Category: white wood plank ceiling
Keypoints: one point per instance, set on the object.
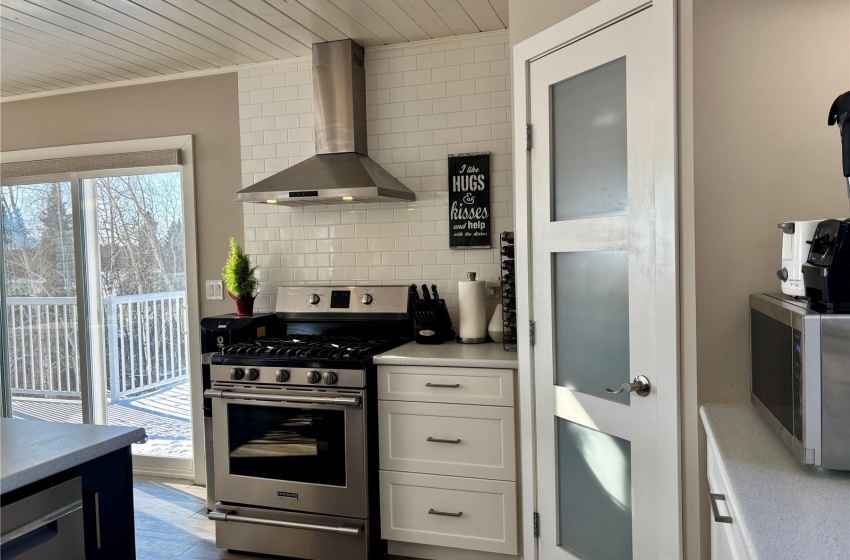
(56, 44)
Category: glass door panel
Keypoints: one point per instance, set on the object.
(142, 285)
(589, 162)
(591, 293)
(595, 493)
(41, 305)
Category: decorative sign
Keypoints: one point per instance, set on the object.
(469, 201)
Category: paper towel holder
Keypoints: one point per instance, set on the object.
(470, 276)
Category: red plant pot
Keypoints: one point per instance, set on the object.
(244, 305)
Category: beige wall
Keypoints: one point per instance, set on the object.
(764, 75)
(204, 107)
(529, 17)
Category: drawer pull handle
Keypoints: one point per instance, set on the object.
(432, 511)
(717, 517)
(438, 440)
(443, 385)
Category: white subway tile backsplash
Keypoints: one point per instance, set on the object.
(304, 246)
(431, 60)
(368, 259)
(342, 231)
(417, 77)
(317, 259)
(355, 246)
(423, 103)
(367, 230)
(408, 244)
(460, 87)
(491, 84)
(445, 74)
(399, 229)
(342, 259)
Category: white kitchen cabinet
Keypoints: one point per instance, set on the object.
(448, 457)
(726, 540)
(448, 439)
(486, 386)
(449, 511)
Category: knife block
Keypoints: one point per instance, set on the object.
(432, 323)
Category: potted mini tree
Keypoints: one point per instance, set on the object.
(239, 279)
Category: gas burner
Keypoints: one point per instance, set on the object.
(310, 347)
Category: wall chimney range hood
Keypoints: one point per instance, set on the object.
(340, 171)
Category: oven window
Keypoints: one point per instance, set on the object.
(298, 445)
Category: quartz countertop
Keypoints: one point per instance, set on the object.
(450, 354)
(785, 509)
(32, 449)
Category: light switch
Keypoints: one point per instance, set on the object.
(214, 289)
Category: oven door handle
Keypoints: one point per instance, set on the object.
(226, 394)
(344, 529)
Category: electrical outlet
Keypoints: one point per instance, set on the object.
(493, 289)
(214, 289)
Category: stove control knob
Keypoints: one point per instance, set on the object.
(252, 374)
(281, 375)
(236, 373)
(313, 377)
(366, 299)
(313, 299)
(329, 377)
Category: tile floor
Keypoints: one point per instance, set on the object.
(171, 522)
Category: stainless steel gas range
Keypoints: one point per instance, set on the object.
(295, 425)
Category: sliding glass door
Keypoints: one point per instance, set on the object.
(42, 342)
(96, 314)
(142, 293)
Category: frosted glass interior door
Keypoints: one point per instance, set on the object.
(594, 283)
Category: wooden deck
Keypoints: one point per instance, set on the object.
(164, 414)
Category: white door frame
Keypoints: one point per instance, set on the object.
(598, 16)
(157, 465)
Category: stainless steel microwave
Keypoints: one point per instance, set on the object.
(800, 377)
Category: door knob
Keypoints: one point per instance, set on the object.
(640, 385)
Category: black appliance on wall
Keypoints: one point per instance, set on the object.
(216, 333)
(826, 274)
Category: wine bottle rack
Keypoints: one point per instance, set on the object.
(508, 277)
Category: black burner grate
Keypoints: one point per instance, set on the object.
(310, 347)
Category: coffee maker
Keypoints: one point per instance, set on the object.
(826, 274)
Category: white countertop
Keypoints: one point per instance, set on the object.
(450, 354)
(786, 510)
(32, 449)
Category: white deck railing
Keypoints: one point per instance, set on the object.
(147, 344)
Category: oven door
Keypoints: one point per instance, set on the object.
(300, 450)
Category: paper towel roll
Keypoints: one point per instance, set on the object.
(473, 311)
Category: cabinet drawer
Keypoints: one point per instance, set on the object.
(446, 385)
(448, 511)
(448, 439)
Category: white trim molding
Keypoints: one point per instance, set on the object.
(153, 465)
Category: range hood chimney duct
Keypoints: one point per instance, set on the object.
(340, 171)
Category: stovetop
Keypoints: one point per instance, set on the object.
(306, 350)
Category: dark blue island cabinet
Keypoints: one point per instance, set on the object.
(67, 493)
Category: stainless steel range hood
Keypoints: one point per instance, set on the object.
(340, 171)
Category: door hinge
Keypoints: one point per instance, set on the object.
(528, 137)
(531, 333)
(536, 524)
